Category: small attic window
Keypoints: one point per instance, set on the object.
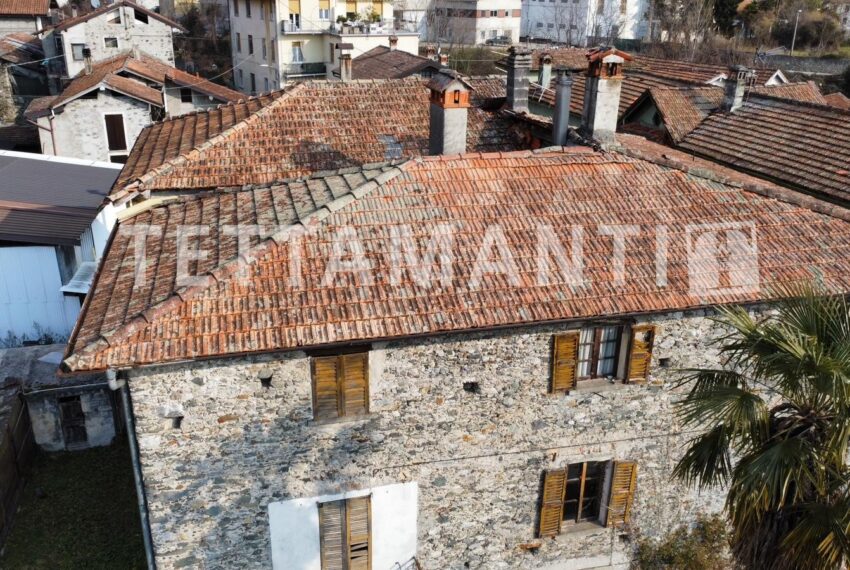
(140, 16)
(185, 95)
(457, 96)
(114, 17)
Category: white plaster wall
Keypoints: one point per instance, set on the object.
(9, 25)
(569, 13)
(262, 29)
(29, 293)
(80, 131)
(294, 528)
(153, 38)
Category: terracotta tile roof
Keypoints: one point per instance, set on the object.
(634, 85)
(381, 62)
(689, 72)
(682, 109)
(317, 125)
(838, 100)
(115, 71)
(20, 48)
(237, 309)
(806, 91)
(71, 22)
(24, 7)
(800, 145)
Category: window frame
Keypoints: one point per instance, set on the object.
(186, 95)
(247, 8)
(238, 42)
(250, 44)
(107, 46)
(595, 349)
(74, 47)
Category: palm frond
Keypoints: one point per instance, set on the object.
(707, 461)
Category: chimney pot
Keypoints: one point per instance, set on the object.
(393, 43)
(545, 77)
(519, 63)
(449, 104)
(431, 52)
(561, 119)
(444, 59)
(737, 80)
(602, 93)
(87, 60)
(344, 61)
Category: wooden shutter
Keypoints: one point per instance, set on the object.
(358, 523)
(355, 384)
(115, 132)
(565, 361)
(640, 355)
(331, 535)
(622, 492)
(552, 505)
(325, 388)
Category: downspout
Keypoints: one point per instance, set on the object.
(130, 425)
(49, 130)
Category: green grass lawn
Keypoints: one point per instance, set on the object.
(87, 517)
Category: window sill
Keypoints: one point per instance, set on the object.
(344, 420)
(583, 529)
(597, 385)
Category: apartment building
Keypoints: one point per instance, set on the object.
(277, 41)
(584, 22)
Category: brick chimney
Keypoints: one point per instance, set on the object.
(87, 59)
(393, 43)
(344, 61)
(545, 77)
(737, 80)
(519, 63)
(561, 118)
(444, 59)
(431, 52)
(602, 93)
(449, 104)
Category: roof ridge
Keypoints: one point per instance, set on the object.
(228, 268)
(170, 164)
(796, 103)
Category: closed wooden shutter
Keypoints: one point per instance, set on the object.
(294, 6)
(350, 7)
(355, 384)
(622, 492)
(565, 361)
(552, 505)
(325, 387)
(115, 132)
(640, 355)
(358, 523)
(332, 534)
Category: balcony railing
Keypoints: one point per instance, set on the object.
(289, 27)
(301, 69)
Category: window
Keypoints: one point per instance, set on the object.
(235, 7)
(140, 16)
(238, 42)
(550, 25)
(265, 52)
(494, 13)
(262, 11)
(324, 13)
(250, 44)
(247, 8)
(77, 51)
(110, 42)
(253, 84)
(340, 386)
(539, 24)
(624, 6)
(114, 17)
(266, 84)
(594, 352)
(297, 54)
(345, 534)
(185, 95)
(592, 491)
(272, 50)
(73, 421)
(240, 77)
(115, 132)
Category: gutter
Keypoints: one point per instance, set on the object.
(48, 129)
(130, 424)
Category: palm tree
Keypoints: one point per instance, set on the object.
(779, 419)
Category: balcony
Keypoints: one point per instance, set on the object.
(303, 69)
(382, 28)
(303, 28)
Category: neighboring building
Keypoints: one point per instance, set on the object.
(490, 420)
(475, 21)
(585, 22)
(841, 8)
(53, 232)
(22, 75)
(258, 140)
(100, 114)
(109, 31)
(70, 413)
(275, 42)
(383, 62)
(838, 100)
(26, 16)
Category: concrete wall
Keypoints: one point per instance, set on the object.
(46, 417)
(477, 458)
(174, 106)
(80, 131)
(153, 38)
(294, 527)
(11, 24)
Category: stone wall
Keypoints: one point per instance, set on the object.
(477, 457)
(47, 424)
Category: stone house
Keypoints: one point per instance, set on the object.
(27, 16)
(109, 31)
(100, 113)
(464, 360)
(22, 76)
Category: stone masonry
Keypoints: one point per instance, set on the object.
(477, 457)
